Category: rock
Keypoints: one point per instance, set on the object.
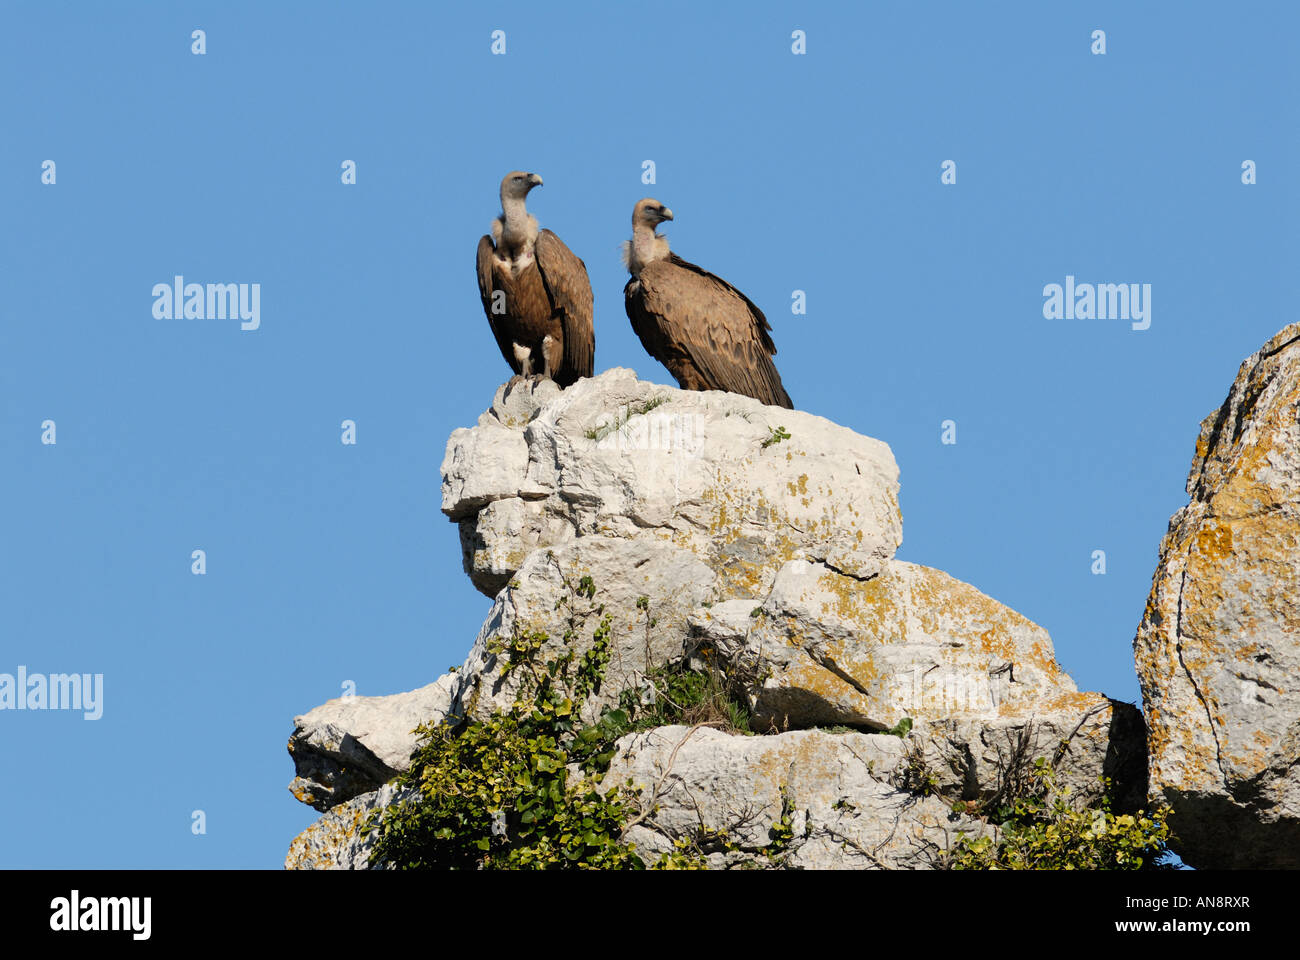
(837, 791)
(352, 745)
(517, 401)
(1218, 648)
(910, 642)
(644, 634)
(718, 636)
(1085, 738)
(759, 542)
(741, 485)
(978, 681)
(496, 542)
(338, 841)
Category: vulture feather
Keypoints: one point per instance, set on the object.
(707, 333)
(535, 292)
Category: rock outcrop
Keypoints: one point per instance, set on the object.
(756, 543)
(708, 472)
(1218, 649)
(353, 745)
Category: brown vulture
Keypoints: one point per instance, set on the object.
(707, 333)
(535, 292)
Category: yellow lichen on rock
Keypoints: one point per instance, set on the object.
(1220, 634)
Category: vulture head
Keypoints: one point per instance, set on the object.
(516, 228)
(516, 185)
(646, 246)
(649, 213)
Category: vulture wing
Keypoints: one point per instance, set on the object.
(500, 323)
(569, 288)
(760, 321)
(683, 313)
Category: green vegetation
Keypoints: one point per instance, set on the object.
(1042, 830)
(782, 831)
(778, 434)
(521, 789)
(900, 729)
(679, 695)
(497, 794)
(914, 775)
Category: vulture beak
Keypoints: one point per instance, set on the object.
(667, 214)
(534, 180)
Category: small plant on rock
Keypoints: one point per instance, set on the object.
(1042, 830)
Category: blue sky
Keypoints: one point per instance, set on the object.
(329, 563)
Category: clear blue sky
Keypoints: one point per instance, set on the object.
(329, 563)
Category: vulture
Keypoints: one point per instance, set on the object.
(535, 292)
(707, 333)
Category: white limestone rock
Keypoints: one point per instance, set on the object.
(710, 472)
(838, 792)
(545, 596)
(352, 745)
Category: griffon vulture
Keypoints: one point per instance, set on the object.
(707, 333)
(535, 292)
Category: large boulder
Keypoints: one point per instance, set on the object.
(911, 641)
(803, 799)
(1218, 649)
(741, 485)
(979, 682)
